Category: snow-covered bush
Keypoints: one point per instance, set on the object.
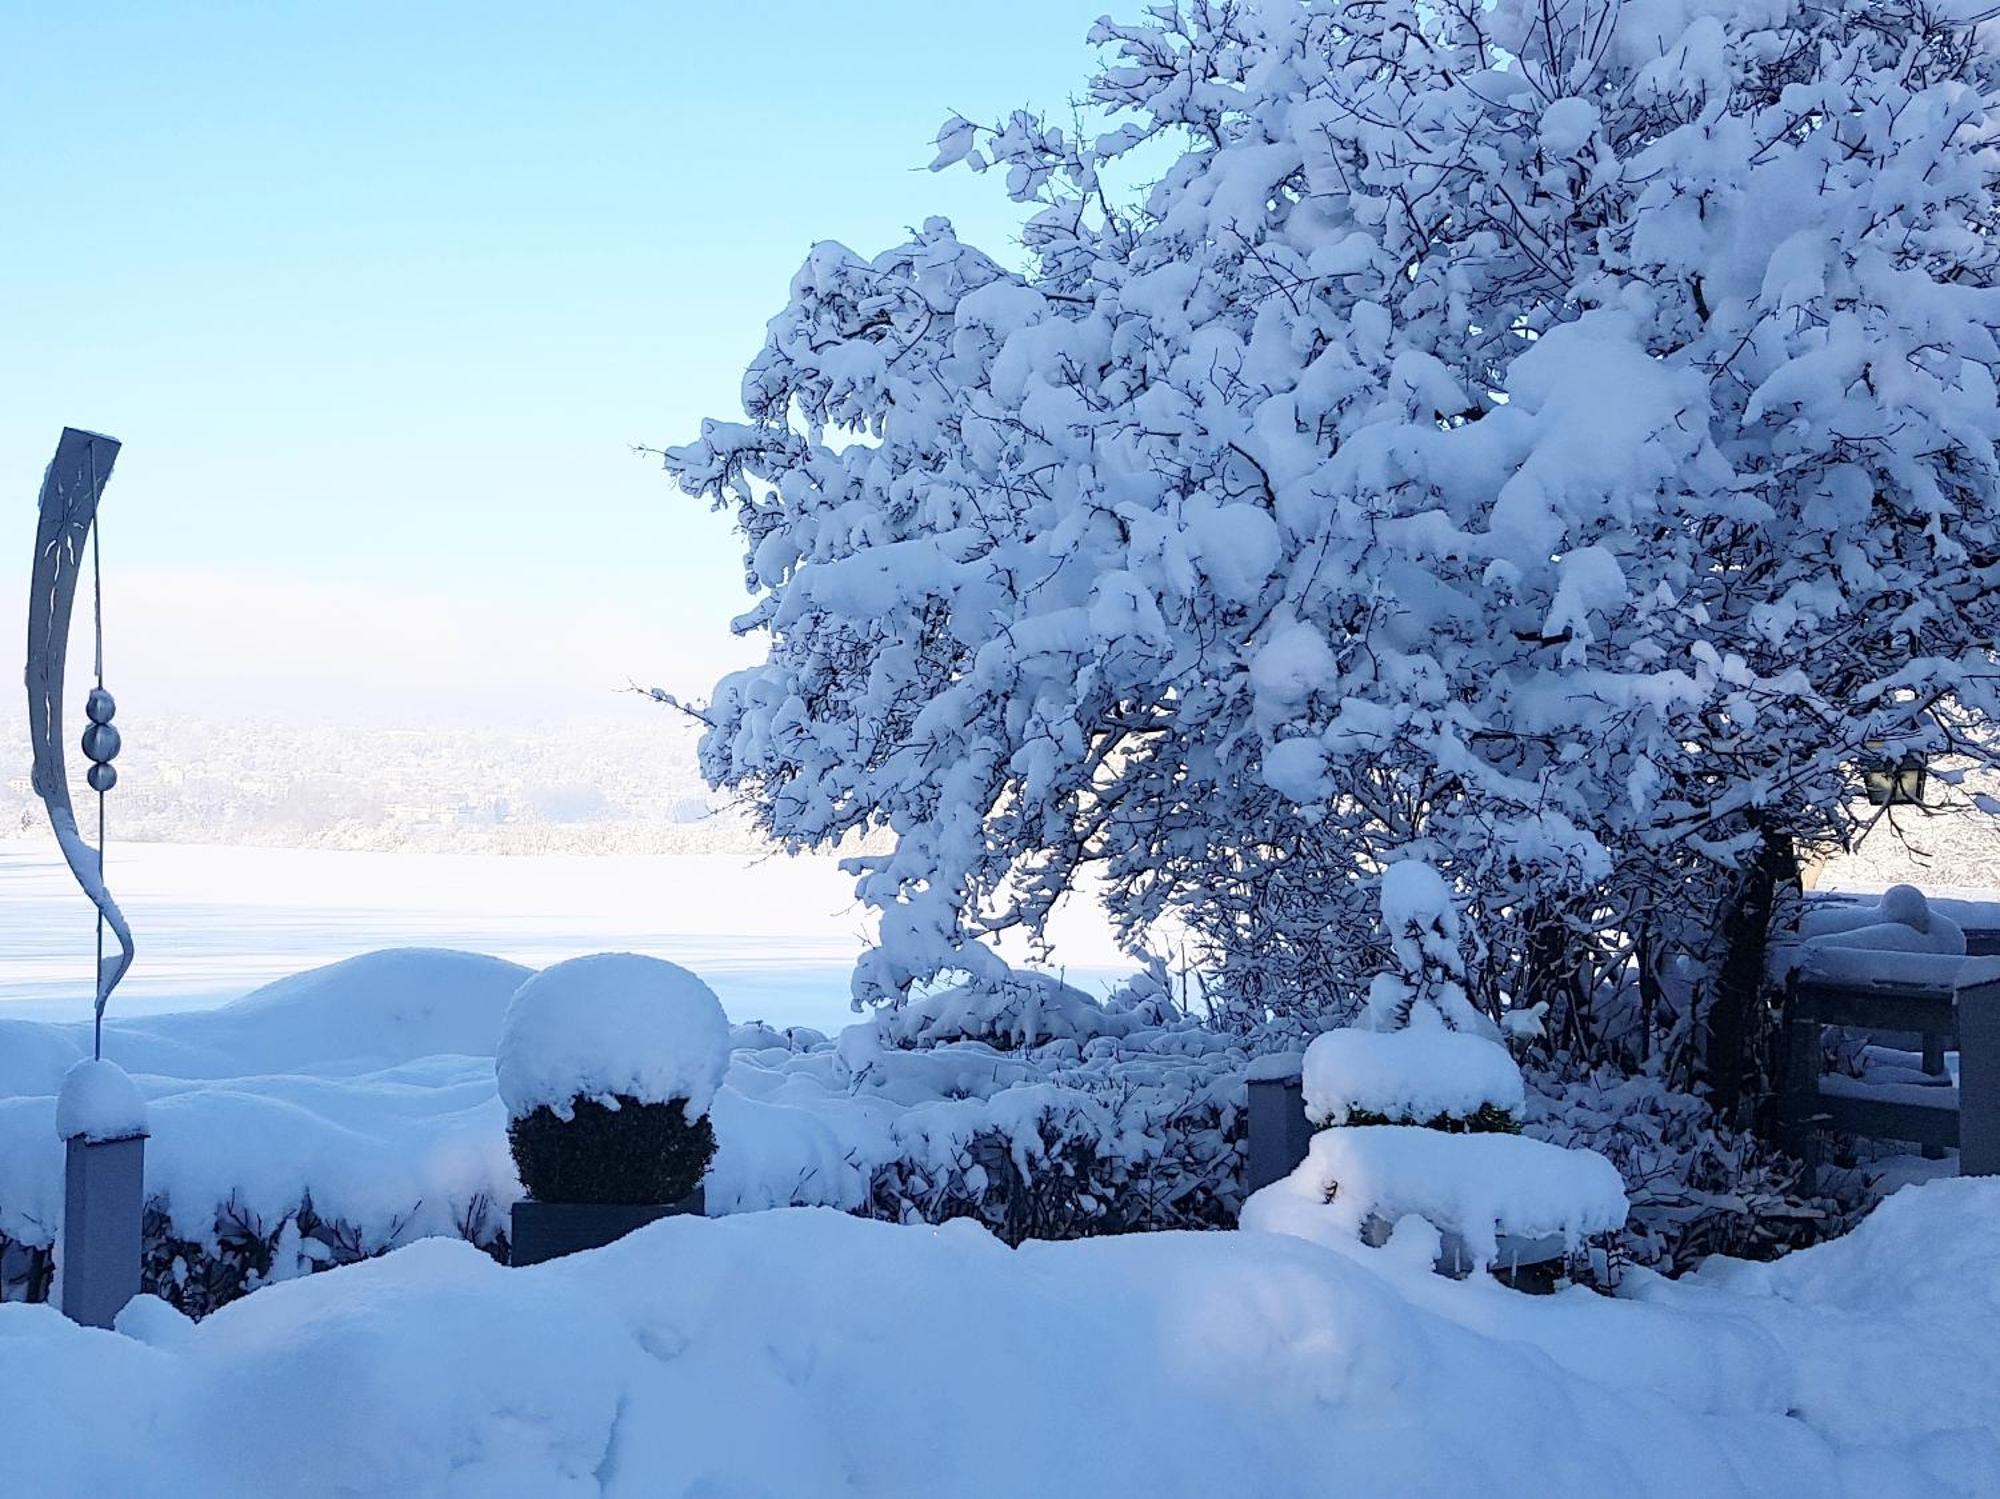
(1084, 1117)
(1022, 1008)
(1420, 1054)
(623, 1150)
(1697, 1186)
(607, 1066)
(241, 1250)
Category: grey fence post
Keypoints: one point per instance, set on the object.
(1279, 1131)
(104, 1192)
(1979, 1081)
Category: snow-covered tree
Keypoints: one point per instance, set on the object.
(1553, 439)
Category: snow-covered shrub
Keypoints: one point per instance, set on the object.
(243, 1251)
(1014, 1009)
(1423, 983)
(1697, 1186)
(1129, 1117)
(1080, 1163)
(622, 1150)
(1420, 1054)
(607, 1066)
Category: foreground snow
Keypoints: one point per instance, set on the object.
(807, 1353)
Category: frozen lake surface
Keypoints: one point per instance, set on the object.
(776, 937)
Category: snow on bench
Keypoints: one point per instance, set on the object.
(1482, 1188)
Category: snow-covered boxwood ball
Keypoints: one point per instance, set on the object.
(608, 1065)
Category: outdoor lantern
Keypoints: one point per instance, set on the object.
(1894, 783)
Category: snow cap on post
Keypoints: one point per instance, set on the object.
(99, 1103)
(612, 1025)
(1414, 1075)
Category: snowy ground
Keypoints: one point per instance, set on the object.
(705, 1357)
(775, 937)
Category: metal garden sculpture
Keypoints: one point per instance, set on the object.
(71, 490)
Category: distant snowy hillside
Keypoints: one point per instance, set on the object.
(627, 783)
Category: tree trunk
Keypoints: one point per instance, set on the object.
(1735, 1012)
(1554, 972)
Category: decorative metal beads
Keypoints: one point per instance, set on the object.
(100, 740)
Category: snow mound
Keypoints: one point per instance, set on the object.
(1890, 1328)
(98, 1103)
(1479, 1186)
(1411, 1075)
(1901, 921)
(363, 1014)
(805, 1353)
(1025, 1008)
(608, 1025)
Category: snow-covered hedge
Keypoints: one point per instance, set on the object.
(1091, 1119)
(1117, 1121)
(266, 1163)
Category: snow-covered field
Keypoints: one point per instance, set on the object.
(775, 937)
(708, 1357)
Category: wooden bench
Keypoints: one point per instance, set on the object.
(1950, 1003)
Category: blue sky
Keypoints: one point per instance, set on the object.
(378, 297)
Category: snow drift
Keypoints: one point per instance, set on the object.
(807, 1353)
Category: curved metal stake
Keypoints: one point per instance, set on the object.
(71, 490)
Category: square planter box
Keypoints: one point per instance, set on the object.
(548, 1230)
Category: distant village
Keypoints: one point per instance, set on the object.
(575, 788)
